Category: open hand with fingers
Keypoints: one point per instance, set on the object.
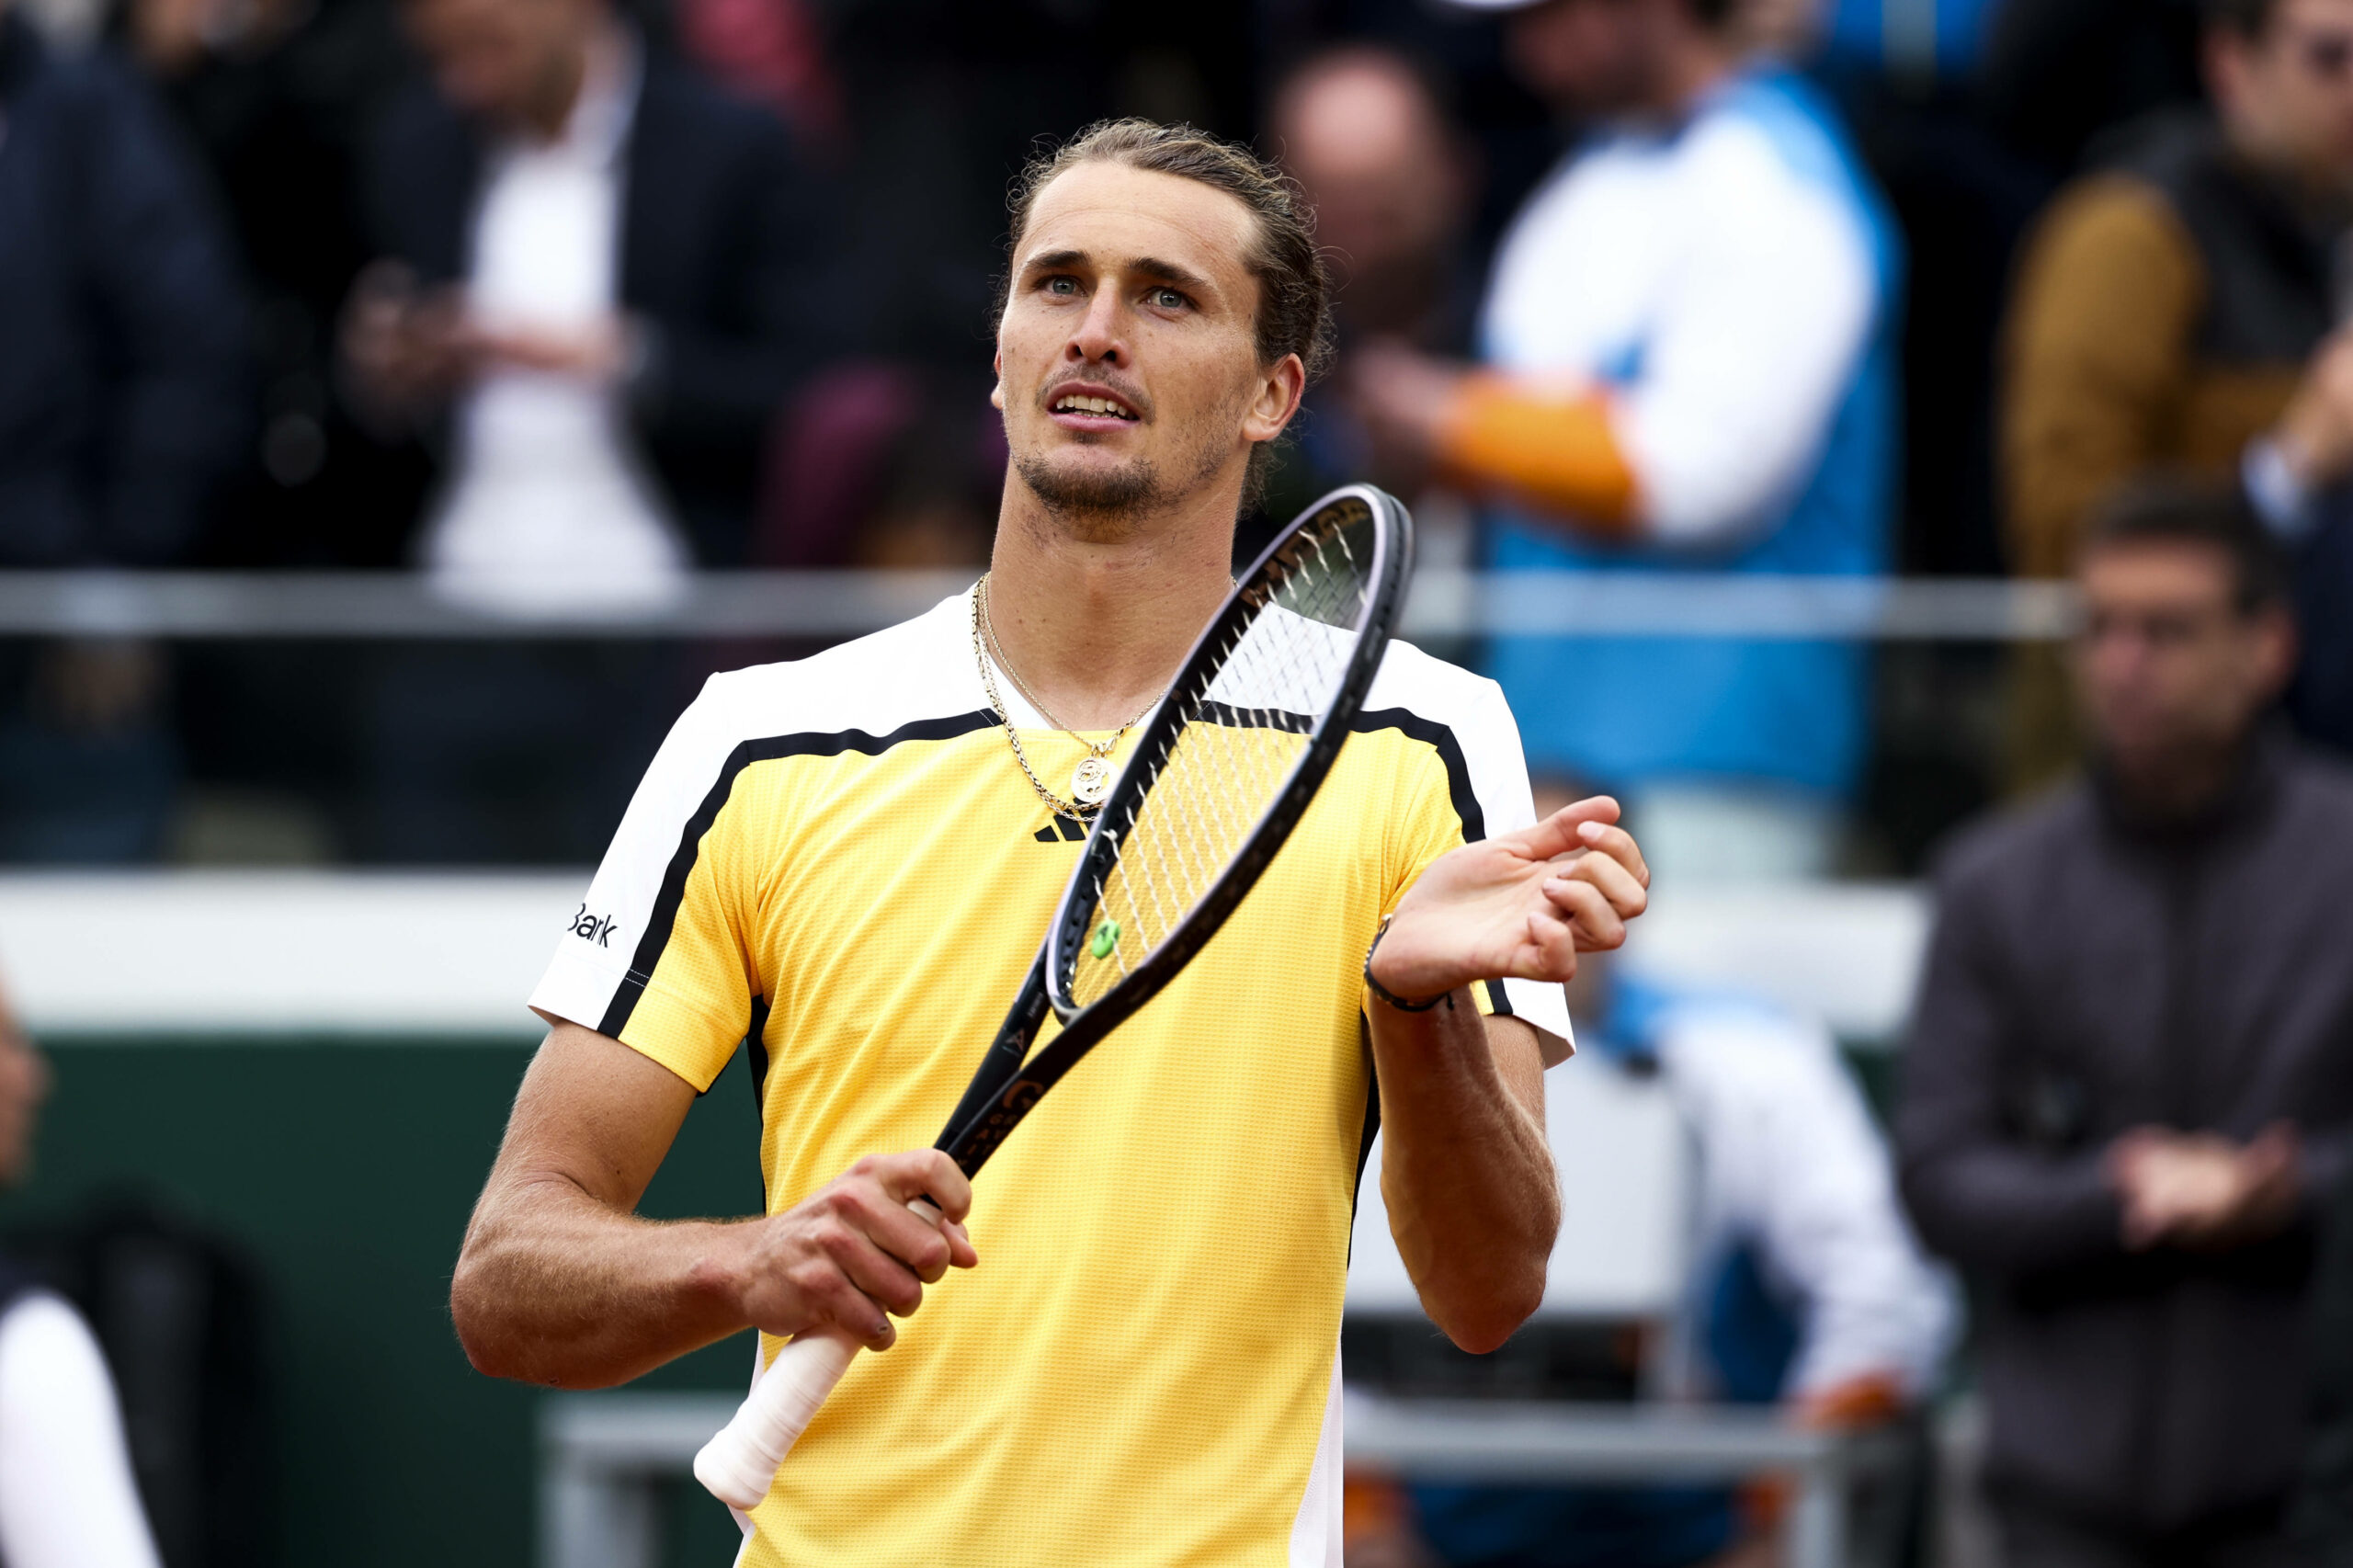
(1519, 905)
(860, 1251)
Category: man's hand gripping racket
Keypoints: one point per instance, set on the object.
(1220, 775)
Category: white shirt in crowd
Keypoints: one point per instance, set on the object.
(547, 510)
(67, 1499)
(1791, 1163)
(1720, 283)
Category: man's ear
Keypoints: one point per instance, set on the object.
(1279, 391)
(996, 392)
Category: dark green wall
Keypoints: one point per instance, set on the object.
(348, 1169)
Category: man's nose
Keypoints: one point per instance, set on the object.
(1099, 339)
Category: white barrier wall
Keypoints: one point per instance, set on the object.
(1624, 1163)
(307, 952)
(410, 953)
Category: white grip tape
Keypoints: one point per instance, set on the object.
(739, 1465)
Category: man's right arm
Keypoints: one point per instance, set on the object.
(560, 1282)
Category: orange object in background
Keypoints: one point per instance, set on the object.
(1872, 1400)
(1556, 452)
(1377, 1524)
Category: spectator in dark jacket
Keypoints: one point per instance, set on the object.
(2129, 1093)
(570, 214)
(2178, 307)
(120, 337)
(275, 96)
(120, 316)
(601, 282)
(2325, 1504)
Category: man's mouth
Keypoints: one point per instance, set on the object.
(1093, 406)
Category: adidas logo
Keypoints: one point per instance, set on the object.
(1060, 830)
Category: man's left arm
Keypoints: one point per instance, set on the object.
(1467, 1172)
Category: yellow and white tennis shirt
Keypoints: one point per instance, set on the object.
(836, 863)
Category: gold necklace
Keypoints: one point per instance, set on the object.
(1091, 781)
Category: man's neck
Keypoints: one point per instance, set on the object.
(2311, 197)
(2180, 788)
(1097, 628)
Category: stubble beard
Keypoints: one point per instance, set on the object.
(1097, 503)
(1102, 504)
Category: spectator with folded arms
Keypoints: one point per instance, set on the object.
(2128, 1097)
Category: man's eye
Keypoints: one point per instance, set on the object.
(1061, 286)
(1169, 300)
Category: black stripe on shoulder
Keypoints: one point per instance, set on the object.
(1441, 739)
(663, 917)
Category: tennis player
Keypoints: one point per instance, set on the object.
(847, 864)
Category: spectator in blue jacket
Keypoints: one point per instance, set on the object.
(120, 338)
(1687, 367)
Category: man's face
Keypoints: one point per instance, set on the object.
(1367, 144)
(2287, 95)
(2172, 672)
(1126, 362)
(1590, 57)
(500, 60)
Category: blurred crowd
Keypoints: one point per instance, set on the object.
(554, 303)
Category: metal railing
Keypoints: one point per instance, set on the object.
(835, 603)
(604, 1456)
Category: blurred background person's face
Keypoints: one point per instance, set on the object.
(516, 63)
(1592, 57)
(2175, 672)
(23, 1084)
(1365, 141)
(2286, 94)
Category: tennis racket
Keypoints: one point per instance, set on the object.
(1220, 775)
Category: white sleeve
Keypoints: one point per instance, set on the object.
(1498, 769)
(66, 1495)
(1758, 336)
(605, 956)
(1793, 1162)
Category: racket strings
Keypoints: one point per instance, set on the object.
(1243, 735)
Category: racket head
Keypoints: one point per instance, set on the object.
(1228, 762)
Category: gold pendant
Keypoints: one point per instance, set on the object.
(1090, 781)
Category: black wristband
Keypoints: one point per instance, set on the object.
(1390, 996)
